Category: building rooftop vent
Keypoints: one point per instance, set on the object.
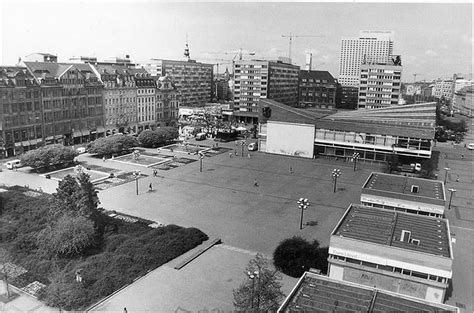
(415, 242)
(415, 189)
(406, 236)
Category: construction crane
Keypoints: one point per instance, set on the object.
(291, 36)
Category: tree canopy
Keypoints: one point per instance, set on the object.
(158, 137)
(112, 144)
(50, 155)
(261, 289)
(295, 255)
(69, 236)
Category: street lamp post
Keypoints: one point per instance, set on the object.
(252, 276)
(201, 156)
(355, 157)
(303, 203)
(243, 144)
(335, 174)
(447, 169)
(451, 190)
(136, 174)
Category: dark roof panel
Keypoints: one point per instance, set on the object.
(385, 227)
(316, 293)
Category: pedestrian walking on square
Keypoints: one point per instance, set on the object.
(230, 155)
(154, 173)
(462, 156)
(124, 310)
(291, 170)
(249, 156)
(151, 187)
(235, 152)
(255, 183)
(103, 158)
(457, 178)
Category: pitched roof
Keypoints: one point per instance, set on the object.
(317, 75)
(55, 70)
(417, 120)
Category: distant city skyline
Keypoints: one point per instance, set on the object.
(434, 39)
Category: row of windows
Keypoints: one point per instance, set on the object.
(392, 269)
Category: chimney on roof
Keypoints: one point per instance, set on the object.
(415, 189)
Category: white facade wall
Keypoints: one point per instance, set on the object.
(281, 139)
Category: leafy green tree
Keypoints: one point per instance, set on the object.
(70, 235)
(149, 138)
(5, 257)
(112, 144)
(64, 292)
(295, 255)
(261, 289)
(48, 156)
(168, 133)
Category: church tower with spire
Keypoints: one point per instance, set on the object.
(186, 50)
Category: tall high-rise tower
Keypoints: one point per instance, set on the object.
(370, 47)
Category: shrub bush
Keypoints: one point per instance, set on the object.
(131, 250)
(294, 256)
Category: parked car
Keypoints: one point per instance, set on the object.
(410, 168)
(13, 164)
(201, 136)
(253, 146)
(81, 150)
(470, 146)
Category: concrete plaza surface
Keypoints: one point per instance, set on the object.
(223, 201)
(205, 285)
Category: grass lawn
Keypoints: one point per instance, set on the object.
(124, 252)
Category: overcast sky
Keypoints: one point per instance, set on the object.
(435, 40)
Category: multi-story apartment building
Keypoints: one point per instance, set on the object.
(167, 102)
(317, 89)
(193, 80)
(260, 79)
(146, 99)
(21, 116)
(443, 88)
(371, 46)
(72, 104)
(464, 101)
(119, 96)
(380, 84)
(400, 252)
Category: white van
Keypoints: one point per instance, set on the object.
(13, 164)
(81, 150)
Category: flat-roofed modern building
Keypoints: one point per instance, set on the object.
(395, 251)
(193, 80)
(380, 84)
(261, 79)
(376, 134)
(370, 46)
(317, 293)
(405, 194)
